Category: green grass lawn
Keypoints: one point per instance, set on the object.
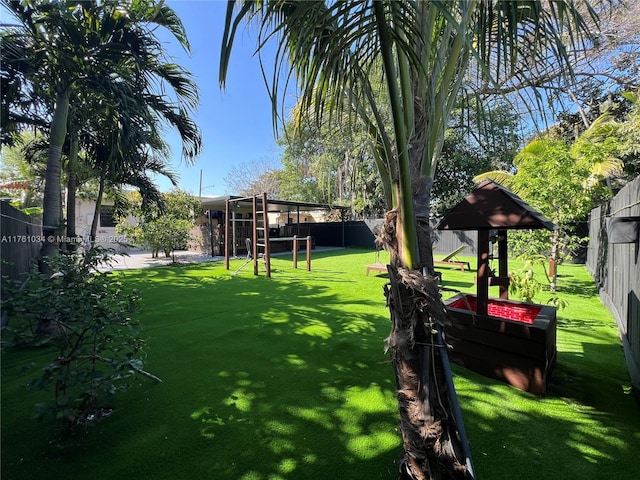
(286, 378)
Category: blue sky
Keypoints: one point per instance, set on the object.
(236, 123)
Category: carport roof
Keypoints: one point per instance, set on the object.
(274, 205)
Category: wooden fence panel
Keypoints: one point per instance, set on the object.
(615, 268)
(21, 237)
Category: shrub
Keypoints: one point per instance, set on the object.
(84, 315)
(524, 284)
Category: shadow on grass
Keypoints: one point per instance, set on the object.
(577, 287)
(298, 385)
(557, 438)
(262, 379)
(286, 379)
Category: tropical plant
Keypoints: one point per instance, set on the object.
(524, 284)
(107, 47)
(563, 181)
(630, 136)
(427, 49)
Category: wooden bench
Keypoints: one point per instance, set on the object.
(448, 260)
(378, 267)
(455, 263)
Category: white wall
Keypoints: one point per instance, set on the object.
(106, 237)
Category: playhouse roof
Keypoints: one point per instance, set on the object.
(492, 206)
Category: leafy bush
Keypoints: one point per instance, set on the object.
(83, 315)
(167, 229)
(524, 284)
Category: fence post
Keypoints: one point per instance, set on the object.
(295, 251)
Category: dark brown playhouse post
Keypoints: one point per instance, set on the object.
(482, 279)
(226, 234)
(308, 253)
(503, 269)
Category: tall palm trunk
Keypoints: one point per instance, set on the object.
(435, 443)
(96, 212)
(52, 209)
(435, 446)
(72, 186)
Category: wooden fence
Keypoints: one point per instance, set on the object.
(21, 241)
(615, 268)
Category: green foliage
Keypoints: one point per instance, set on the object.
(563, 180)
(532, 243)
(84, 317)
(459, 163)
(467, 152)
(23, 169)
(630, 136)
(99, 74)
(22, 181)
(329, 165)
(551, 180)
(161, 229)
(524, 285)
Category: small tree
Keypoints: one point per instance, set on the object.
(85, 315)
(563, 181)
(166, 228)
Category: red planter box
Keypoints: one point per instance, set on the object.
(515, 343)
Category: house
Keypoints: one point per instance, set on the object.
(106, 235)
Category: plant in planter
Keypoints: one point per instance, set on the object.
(524, 284)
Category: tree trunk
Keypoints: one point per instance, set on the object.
(96, 212)
(555, 254)
(52, 211)
(72, 186)
(432, 431)
(435, 443)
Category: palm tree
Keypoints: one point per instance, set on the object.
(114, 170)
(85, 45)
(124, 141)
(427, 49)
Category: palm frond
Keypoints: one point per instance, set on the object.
(499, 176)
(602, 127)
(534, 149)
(608, 167)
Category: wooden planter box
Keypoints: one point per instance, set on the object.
(515, 343)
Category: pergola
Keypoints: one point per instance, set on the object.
(261, 234)
(290, 207)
